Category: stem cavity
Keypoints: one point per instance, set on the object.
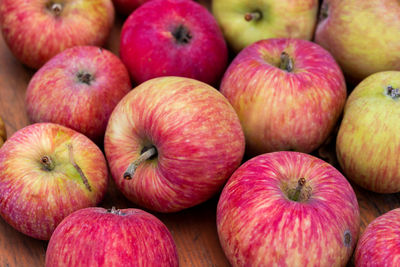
(55, 8)
(286, 62)
(47, 163)
(182, 35)
(394, 93)
(253, 16)
(146, 154)
(77, 168)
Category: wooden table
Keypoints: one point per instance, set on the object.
(194, 229)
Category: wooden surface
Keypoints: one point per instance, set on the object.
(194, 230)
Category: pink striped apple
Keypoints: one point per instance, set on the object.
(100, 237)
(78, 88)
(47, 171)
(287, 209)
(3, 133)
(288, 94)
(172, 143)
(37, 30)
(173, 37)
(367, 143)
(379, 244)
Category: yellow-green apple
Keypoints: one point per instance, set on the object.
(367, 143)
(287, 209)
(47, 171)
(361, 35)
(37, 30)
(173, 37)
(288, 94)
(3, 133)
(78, 88)
(172, 143)
(99, 237)
(126, 7)
(244, 22)
(379, 244)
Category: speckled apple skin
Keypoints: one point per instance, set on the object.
(258, 225)
(54, 93)
(196, 132)
(282, 110)
(361, 35)
(96, 237)
(367, 144)
(149, 49)
(34, 35)
(34, 200)
(379, 244)
(126, 7)
(3, 133)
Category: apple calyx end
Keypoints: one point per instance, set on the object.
(255, 16)
(47, 163)
(55, 8)
(286, 63)
(392, 92)
(347, 238)
(182, 34)
(85, 77)
(147, 153)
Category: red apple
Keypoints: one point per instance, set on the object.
(379, 244)
(78, 88)
(100, 237)
(173, 37)
(172, 142)
(37, 30)
(288, 94)
(3, 133)
(47, 171)
(287, 209)
(126, 7)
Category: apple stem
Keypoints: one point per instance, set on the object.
(393, 92)
(47, 162)
(286, 62)
(142, 158)
(256, 15)
(77, 168)
(300, 184)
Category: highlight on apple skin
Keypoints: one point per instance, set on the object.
(47, 171)
(172, 142)
(99, 237)
(288, 94)
(287, 209)
(78, 88)
(37, 30)
(379, 244)
(173, 38)
(367, 142)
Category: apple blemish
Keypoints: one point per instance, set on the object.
(392, 92)
(146, 153)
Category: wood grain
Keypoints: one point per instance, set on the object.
(194, 229)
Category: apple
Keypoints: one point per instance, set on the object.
(173, 38)
(78, 88)
(37, 30)
(288, 93)
(287, 209)
(172, 142)
(244, 22)
(367, 143)
(3, 133)
(47, 171)
(125, 7)
(361, 35)
(379, 244)
(99, 237)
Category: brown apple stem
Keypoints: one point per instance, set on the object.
(56, 8)
(297, 192)
(286, 62)
(77, 168)
(392, 92)
(256, 15)
(142, 158)
(47, 163)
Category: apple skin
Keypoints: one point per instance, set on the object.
(379, 244)
(259, 225)
(126, 7)
(281, 110)
(196, 133)
(3, 133)
(35, 34)
(100, 237)
(367, 143)
(149, 49)
(34, 199)
(57, 94)
(279, 19)
(361, 35)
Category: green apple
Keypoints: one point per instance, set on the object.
(244, 22)
(367, 144)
